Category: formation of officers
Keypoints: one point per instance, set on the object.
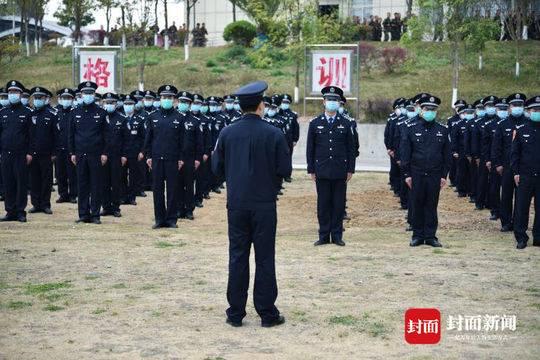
(106, 150)
(489, 149)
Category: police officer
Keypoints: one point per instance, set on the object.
(459, 146)
(453, 120)
(87, 146)
(501, 148)
(112, 170)
(252, 156)
(471, 152)
(15, 123)
(151, 103)
(132, 151)
(330, 162)
(229, 111)
(43, 149)
(292, 121)
(164, 152)
(205, 137)
(218, 121)
(493, 179)
(525, 162)
(425, 158)
(66, 175)
(479, 133)
(394, 177)
(4, 102)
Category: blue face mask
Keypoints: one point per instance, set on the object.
(88, 98)
(213, 108)
(331, 106)
(204, 109)
(271, 112)
(157, 104)
(183, 107)
(39, 103)
(480, 113)
(167, 103)
(14, 98)
(138, 105)
(4, 102)
(526, 114)
(195, 107)
(535, 116)
(110, 108)
(516, 111)
(285, 106)
(411, 114)
(491, 110)
(129, 108)
(229, 106)
(503, 114)
(237, 107)
(468, 117)
(429, 115)
(65, 103)
(148, 103)
(24, 101)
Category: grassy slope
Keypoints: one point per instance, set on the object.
(428, 69)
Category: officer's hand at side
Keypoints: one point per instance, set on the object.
(53, 158)
(349, 176)
(499, 170)
(197, 163)
(313, 177)
(488, 165)
(469, 158)
(74, 159)
(516, 180)
(103, 160)
(205, 157)
(180, 164)
(149, 163)
(293, 144)
(140, 157)
(408, 181)
(28, 159)
(124, 161)
(456, 155)
(443, 182)
(477, 162)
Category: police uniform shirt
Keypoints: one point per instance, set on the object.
(43, 132)
(15, 122)
(133, 136)
(88, 130)
(525, 155)
(165, 135)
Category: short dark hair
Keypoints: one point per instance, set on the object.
(250, 108)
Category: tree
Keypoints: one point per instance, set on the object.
(75, 14)
(409, 4)
(108, 5)
(477, 32)
(166, 39)
(262, 11)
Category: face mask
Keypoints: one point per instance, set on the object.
(195, 107)
(39, 103)
(341, 110)
(213, 108)
(148, 103)
(88, 98)
(183, 107)
(167, 104)
(4, 102)
(469, 116)
(503, 114)
(271, 112)
(331, 105)
(24, 101)
(535, 116)
(157, 104)
(204, 109)
(429, 115)
(285, 106)
(411, 114)
(237, 107)
(481, 113)
(516, 111)
(110, 108)
(491, 111)
(65, 103)
(14, 98)
(229, 106)
(526, 114)
(128, 109)
(139, 105)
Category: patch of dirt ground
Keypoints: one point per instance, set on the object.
(124, 291)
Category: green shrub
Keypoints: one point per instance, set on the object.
(240, 32)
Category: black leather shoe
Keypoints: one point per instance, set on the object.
(217, 190)
(198, 204)
(409, 228)
(105, 213)
(338, 242)
(288, 179)
(472, 200)
(233, 323)
(222, 186)
(73, 200)
(156, 226)
(141, 194)
(8, 218)
(416, 242)
(117, 214)
(461, 195)
(521, 245)
(61, 200)
(494, 217)
(403, 207)
(321, 242)
(280, 320)
(83, 220)
(172, 226)
(434, 243)
(189, 216)
(479, 207)
(47, 211)
(95, 221)
(536, 242)
(507, 228)
(206, 196)
(21, 218)
(34, 210)
(280, 192)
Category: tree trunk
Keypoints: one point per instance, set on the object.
(26, 42)
(455, 71)
(234, 11)
(166, 29)
(480, 62)
(517, 58)
(141, 70)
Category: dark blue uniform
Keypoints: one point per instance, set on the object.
(112, 171)
(43, 148)
(218, 124)
(494, 179)
(164, 146)
(66, 174)
(132, 146)
(425, 157)
(15, 122)
(203, 172)
(458, 136)
(253, 157)
(330, 156)
(87, 141)
(192, 151)
(452, 120)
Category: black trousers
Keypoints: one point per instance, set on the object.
(247, 227)
(112, 184)
(90, 185)
(165, 173)
(331, 196)
(41, 180)
(15, 176)
(453, 171)
(186, 201)
(507, 196)
(462, 175)
(529, 187)
(403, 191)
(424, 201)
(66, 175)
(395, 175)
(473, 178)
(201, 180)
(1, 181)
(482, 185)
(132, 178)
(494, 192)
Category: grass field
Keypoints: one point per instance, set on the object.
(124, 291)
(216, 71)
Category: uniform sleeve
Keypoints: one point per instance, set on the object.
(71, 134)
(218, 159)
(387, 134)
(54, 134)
(467, 139)
(454, 143)
(496, 147)
(283, 158)
(405, 153)
(485, 153)
(182, 142)
(199, 142)
(106, 142)
(310, 149)
(148, 140)
(351, 152)
(295, 128)
(447, 157)
(356, 140)
(31, 145)
(515, 154)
